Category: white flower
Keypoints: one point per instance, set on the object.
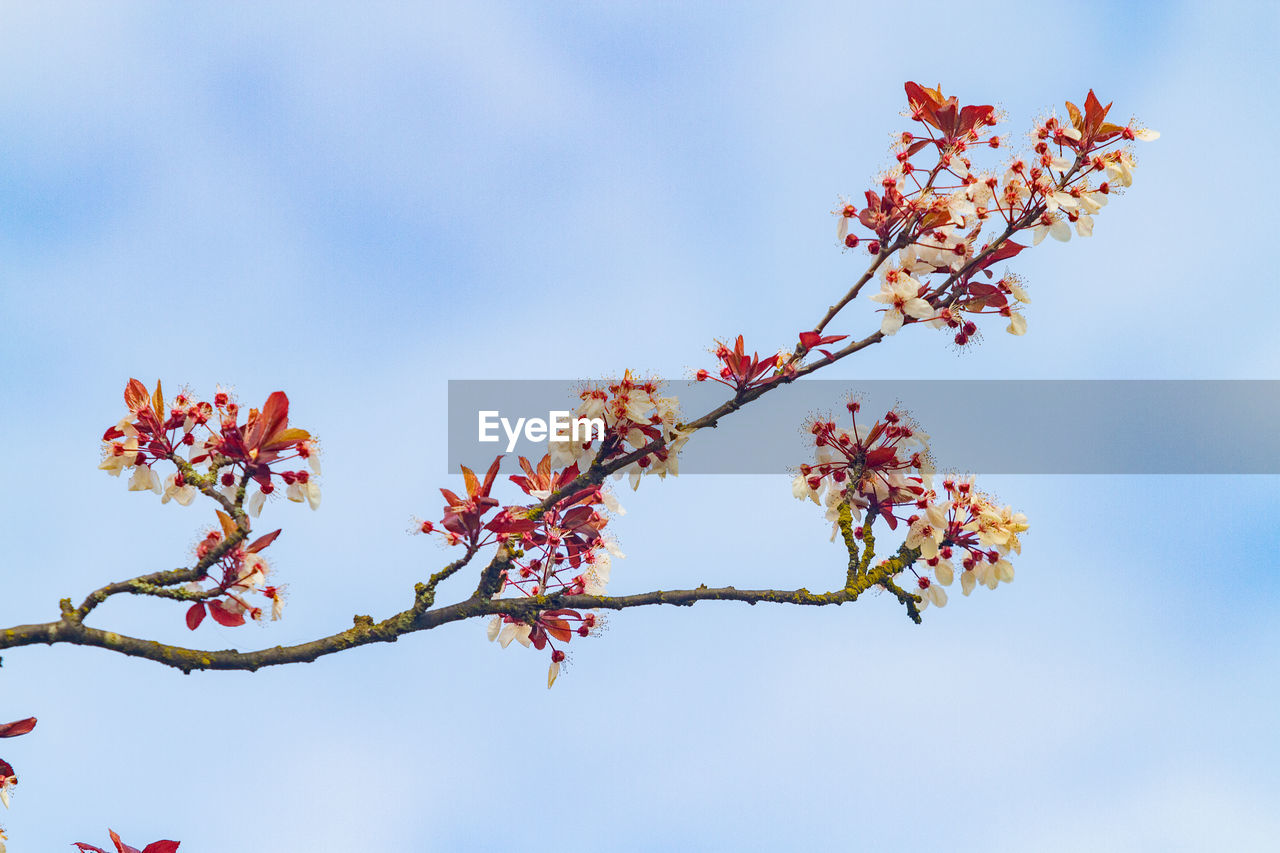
(800, 489)
(256, 502)
(1091, 201)
(183, 494)
(495, 625)
(925, 537)
(1084, 225)
(1120, 169)
(1017, 324)
(901, 296)
(253, 573)
(992, 574)
(144, 479)
(910, 262)
(1058, 228)
(611, 503)
(308, 491)
(597, 574)
(612, 547)
(114, 463)
(553, 672)
(931, 593)
(518, 631)
(313, 458)
(1055, 200)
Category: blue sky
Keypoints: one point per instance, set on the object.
(359, 203)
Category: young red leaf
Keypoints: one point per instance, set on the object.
(809, 340)
(223, 616)
(161, 847)
(195, 615)
(558, 628)
(262, 542)
(285, 438)
(121, 847)
(490, 475)
(472, 482)
(21, 727)
(273, 418)
(228, 526)
(135, 395)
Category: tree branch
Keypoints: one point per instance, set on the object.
(418, 618)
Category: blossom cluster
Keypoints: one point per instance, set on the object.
(742, 372)
(933, 213)
(217, 449)
(966, 525)
(881, 468)
(233, 578)
(886, 469)
(233, 447)
(636, 414)
(558, 546)
(560, 550)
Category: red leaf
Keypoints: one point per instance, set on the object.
(21, 727)
(471, 481)
(161, 847)
(490, 475)
(195, 615)
(262, 542)
(878, 456)
(121, 847)
(223, 616)
(558, 628)
(273, 418)
(136, 396)
(228, 526)
(809, 340)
